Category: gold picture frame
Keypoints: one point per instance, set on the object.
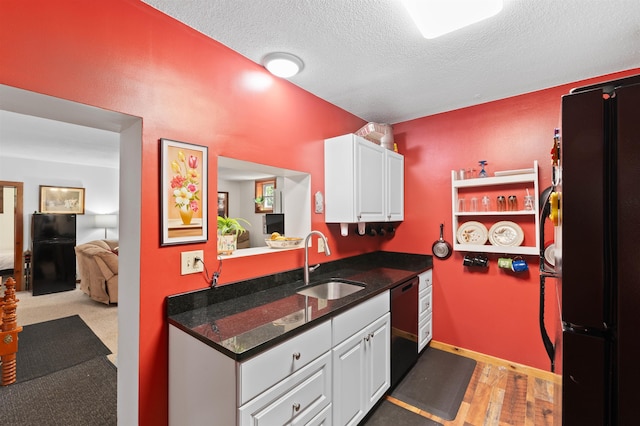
(183, 182)
(61, 199)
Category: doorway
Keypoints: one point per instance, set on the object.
(13, 228)
(129, 129)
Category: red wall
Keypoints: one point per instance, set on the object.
(125, 56)
(493, 312)
(122, 55)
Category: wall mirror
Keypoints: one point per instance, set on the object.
(289, 194)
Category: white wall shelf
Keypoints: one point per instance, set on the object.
(523, 180)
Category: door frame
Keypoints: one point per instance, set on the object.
(18, 232)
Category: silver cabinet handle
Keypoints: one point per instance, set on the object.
(296, 406)
(296, 355)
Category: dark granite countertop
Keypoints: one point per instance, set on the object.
(245, 318)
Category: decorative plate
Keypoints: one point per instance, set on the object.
(550, 255)
(472, 233)
(506, 234)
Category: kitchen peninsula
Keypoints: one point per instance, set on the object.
(235, 346)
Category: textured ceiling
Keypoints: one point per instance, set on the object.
(367, 57)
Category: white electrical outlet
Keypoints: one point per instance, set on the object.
(320, 245)
(188, 262)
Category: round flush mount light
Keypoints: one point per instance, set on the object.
(282, 64)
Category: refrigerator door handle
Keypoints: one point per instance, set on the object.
(581, 329)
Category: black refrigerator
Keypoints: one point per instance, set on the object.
(53, 256)
(598, 253)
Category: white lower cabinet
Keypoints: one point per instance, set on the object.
(361, 362)
(425, 299)
(332, 374)
(361, 372)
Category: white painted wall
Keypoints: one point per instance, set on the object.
(100, 183)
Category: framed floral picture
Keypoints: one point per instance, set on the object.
(183, 182)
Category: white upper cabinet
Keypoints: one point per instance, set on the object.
(364, 182)
(394, 164)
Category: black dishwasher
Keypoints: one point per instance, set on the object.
(404, 328)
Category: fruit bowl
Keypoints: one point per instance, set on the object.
(287, 242)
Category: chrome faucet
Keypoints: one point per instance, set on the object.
(308, 268)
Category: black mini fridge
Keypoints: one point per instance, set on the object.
(53, 256)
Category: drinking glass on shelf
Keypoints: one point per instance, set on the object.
(528, 202)
(486, 203)
(502, 204)
(461, 204)
(474, 205)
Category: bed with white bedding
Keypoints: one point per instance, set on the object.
(6, 261)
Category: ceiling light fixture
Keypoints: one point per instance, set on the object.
(437, 17)
(282, 64)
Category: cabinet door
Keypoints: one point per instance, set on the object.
(377, 354)
(395, 186)
(349, 372)
(370, 187)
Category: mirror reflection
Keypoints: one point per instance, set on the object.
(269, 198)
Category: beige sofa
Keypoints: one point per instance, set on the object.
(98, 269)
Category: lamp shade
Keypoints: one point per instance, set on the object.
(106, 220)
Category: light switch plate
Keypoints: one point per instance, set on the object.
(320, 245)
(319, 202)
(188, 263)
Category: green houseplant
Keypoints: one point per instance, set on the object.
(228, 230)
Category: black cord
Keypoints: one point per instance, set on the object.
(213, 281)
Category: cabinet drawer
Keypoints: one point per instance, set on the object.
(424, 303)
(296, 400)
(426, 279)
(321, 419)
(263, 371)
(424, 333)
(355, 319)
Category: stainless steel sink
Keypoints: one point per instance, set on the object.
(332, 289)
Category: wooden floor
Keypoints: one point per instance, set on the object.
(502, 393)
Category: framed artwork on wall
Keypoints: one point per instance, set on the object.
(183, 186)
(223, 204)
(61, 199)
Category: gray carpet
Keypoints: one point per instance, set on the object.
(84, 394)
(388, 413)
(51, 346)
(63, 377)
(437, 383)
